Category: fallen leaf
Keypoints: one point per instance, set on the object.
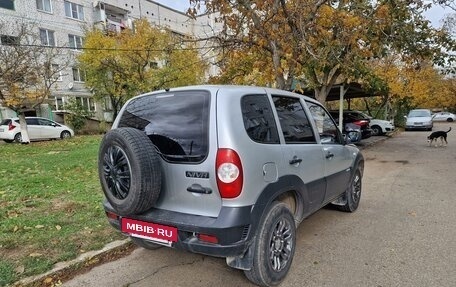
(412, 213)
(47, 280)
(39, 226)
(35, 254)
(19, 269)
(27, 228)
(15, 228)
(58, 227)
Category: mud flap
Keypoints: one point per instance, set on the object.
(244, 261)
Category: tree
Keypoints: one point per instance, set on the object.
(322, 42)
(146, 58)
(27, 70)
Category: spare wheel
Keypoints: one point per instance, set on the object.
(129, 170)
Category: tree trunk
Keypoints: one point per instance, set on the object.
(321, 94)
(24, 131)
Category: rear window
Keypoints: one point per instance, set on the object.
(5, 122)
(176, 123)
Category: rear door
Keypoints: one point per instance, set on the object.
(302, 154)
(33, 128)
(337, 157)
(178, 125)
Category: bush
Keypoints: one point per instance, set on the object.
(77, 114)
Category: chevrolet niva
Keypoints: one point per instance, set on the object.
(226, 171)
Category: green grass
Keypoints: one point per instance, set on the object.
(50, 205)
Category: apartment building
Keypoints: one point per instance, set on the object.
(61, 23)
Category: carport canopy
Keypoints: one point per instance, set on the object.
(343, 92)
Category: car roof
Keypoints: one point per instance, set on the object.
(215, 88)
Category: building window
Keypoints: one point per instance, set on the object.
(9, 40)
(57, 73)
(78, 75)
(44, 5)
(59, 103)
(75, 42)
(74, 10)
(47, 37)
(7, 4)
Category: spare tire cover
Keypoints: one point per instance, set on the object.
(129, 170)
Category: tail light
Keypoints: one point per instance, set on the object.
(11, 126)
(230, 176)
(361, 123)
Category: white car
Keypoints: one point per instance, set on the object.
(38, 128)
(381, 127)
(419, 119)
(444, 116)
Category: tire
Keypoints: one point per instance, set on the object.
(18, 138)
(65, 135)
(145, 243)
(449, 120)
(129, 170)
(376, 130)
(274, 246)
(353, 193)
(8, 141)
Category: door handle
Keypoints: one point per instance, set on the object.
(329, 155)
(196, 188)
(295, 160)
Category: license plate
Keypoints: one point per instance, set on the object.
(148, 230)
(418, 124)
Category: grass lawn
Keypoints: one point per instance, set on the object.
(50, 205)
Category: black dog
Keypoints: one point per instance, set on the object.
(442, 135)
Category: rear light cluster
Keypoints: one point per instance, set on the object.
(11, 126)
(361, 123)
(230, 176)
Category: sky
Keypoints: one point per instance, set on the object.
(434, 15)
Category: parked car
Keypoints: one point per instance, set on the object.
(357, 118)
(381, 127)
(443, 116)
(226, 171)
(419, 119)
(38, 129)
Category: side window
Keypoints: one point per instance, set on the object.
(295, 125)
(32, 122)
(44, 122)
(258, 119)
(327, 129)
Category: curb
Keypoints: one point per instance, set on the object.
(64, 271)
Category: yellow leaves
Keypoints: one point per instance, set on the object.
(35, 254)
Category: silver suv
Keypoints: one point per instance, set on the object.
(226, 171)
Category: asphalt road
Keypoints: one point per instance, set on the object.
(403, 234)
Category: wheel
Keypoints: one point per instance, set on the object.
(376, 130)
(18, 138)
(353, 193)
(129, 170)
(65, 135)
(8, 141)
(274, 246)
(449, 120)
(145, 243)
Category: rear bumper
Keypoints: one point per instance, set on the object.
(231, 227)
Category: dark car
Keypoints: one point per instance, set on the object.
(355, 117)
